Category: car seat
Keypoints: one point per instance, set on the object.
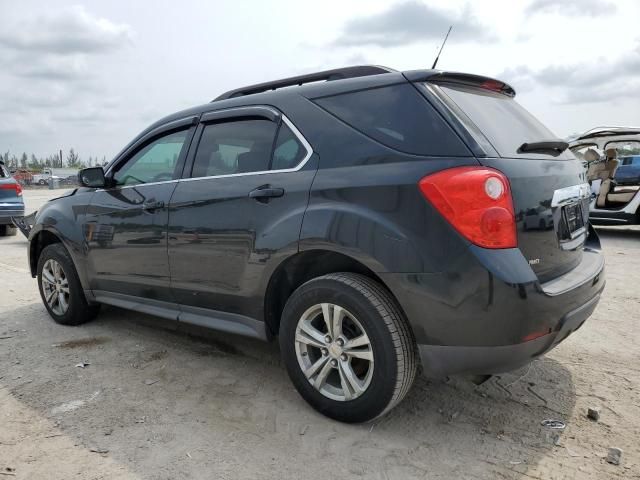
(607, 173)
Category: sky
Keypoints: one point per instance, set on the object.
(91, 75)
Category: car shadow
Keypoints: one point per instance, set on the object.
(153, 390)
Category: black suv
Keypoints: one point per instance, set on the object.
(371, 220)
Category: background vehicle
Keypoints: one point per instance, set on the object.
(613, 158)
(367, 218)
(628, 172)
(24, 177)
(11, 203)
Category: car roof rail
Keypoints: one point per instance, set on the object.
(326, 75)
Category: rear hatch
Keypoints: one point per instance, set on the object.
(548, 183)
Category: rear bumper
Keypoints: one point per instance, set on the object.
(439, 360)
(490, 314)
(6, 214)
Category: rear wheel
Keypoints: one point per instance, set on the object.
(60, 287)
(347, 347)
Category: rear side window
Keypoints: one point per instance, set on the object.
(289, 151)
(502, 120)
(234, 147)
(397, 116)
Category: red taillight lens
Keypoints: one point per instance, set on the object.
(477, 202)
(12, 186)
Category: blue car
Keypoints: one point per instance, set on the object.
(628, 172)
(11, 203)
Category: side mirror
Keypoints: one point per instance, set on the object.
(92, 177)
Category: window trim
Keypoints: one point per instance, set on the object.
(188, 124)
(298, 167)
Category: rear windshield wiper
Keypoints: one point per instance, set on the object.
(547, 147)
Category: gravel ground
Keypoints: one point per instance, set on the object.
(160, 402)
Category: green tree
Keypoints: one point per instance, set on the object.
(34, 162)
(73, 159)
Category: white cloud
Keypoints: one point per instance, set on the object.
(597, 81)
(411, 22)
(590, 8)
(66, 31)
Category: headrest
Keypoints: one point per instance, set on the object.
(591, 155)
(611, 153)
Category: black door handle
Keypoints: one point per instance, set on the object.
(151, 205)
(265, 192)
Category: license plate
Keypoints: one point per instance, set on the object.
(573, 219)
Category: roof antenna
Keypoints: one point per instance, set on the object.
(435, 62)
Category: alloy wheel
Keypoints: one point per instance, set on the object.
(55, 286)
(334, 352)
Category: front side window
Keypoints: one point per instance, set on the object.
(242, 146)
(156, 162)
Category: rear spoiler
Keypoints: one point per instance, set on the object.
(463, 79)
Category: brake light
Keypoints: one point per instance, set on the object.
(492, 85)
(12, 186)
(477, 202)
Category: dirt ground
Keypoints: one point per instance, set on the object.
(160, 402)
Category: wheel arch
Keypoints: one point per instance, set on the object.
(302, 267)
(37, 243)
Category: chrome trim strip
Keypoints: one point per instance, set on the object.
(564, 196)
(302, 163)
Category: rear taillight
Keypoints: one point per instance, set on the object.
(477, 202)
(12, 186)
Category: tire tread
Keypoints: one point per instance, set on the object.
(401, 334)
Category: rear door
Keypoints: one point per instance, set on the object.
(126, 224)
(239, 210)
(550, 192)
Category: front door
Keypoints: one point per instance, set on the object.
(241, 208)
(126, 228)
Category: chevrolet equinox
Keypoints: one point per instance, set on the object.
(373, 221)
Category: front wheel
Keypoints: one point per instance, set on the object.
(60, 287)
(347, 347)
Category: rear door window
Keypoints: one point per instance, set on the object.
(397, 116)
(502, 120)
(234, 147)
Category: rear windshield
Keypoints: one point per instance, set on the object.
(502, 120)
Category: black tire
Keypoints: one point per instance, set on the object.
(392, 342)
(79, 310)
(8, 230)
